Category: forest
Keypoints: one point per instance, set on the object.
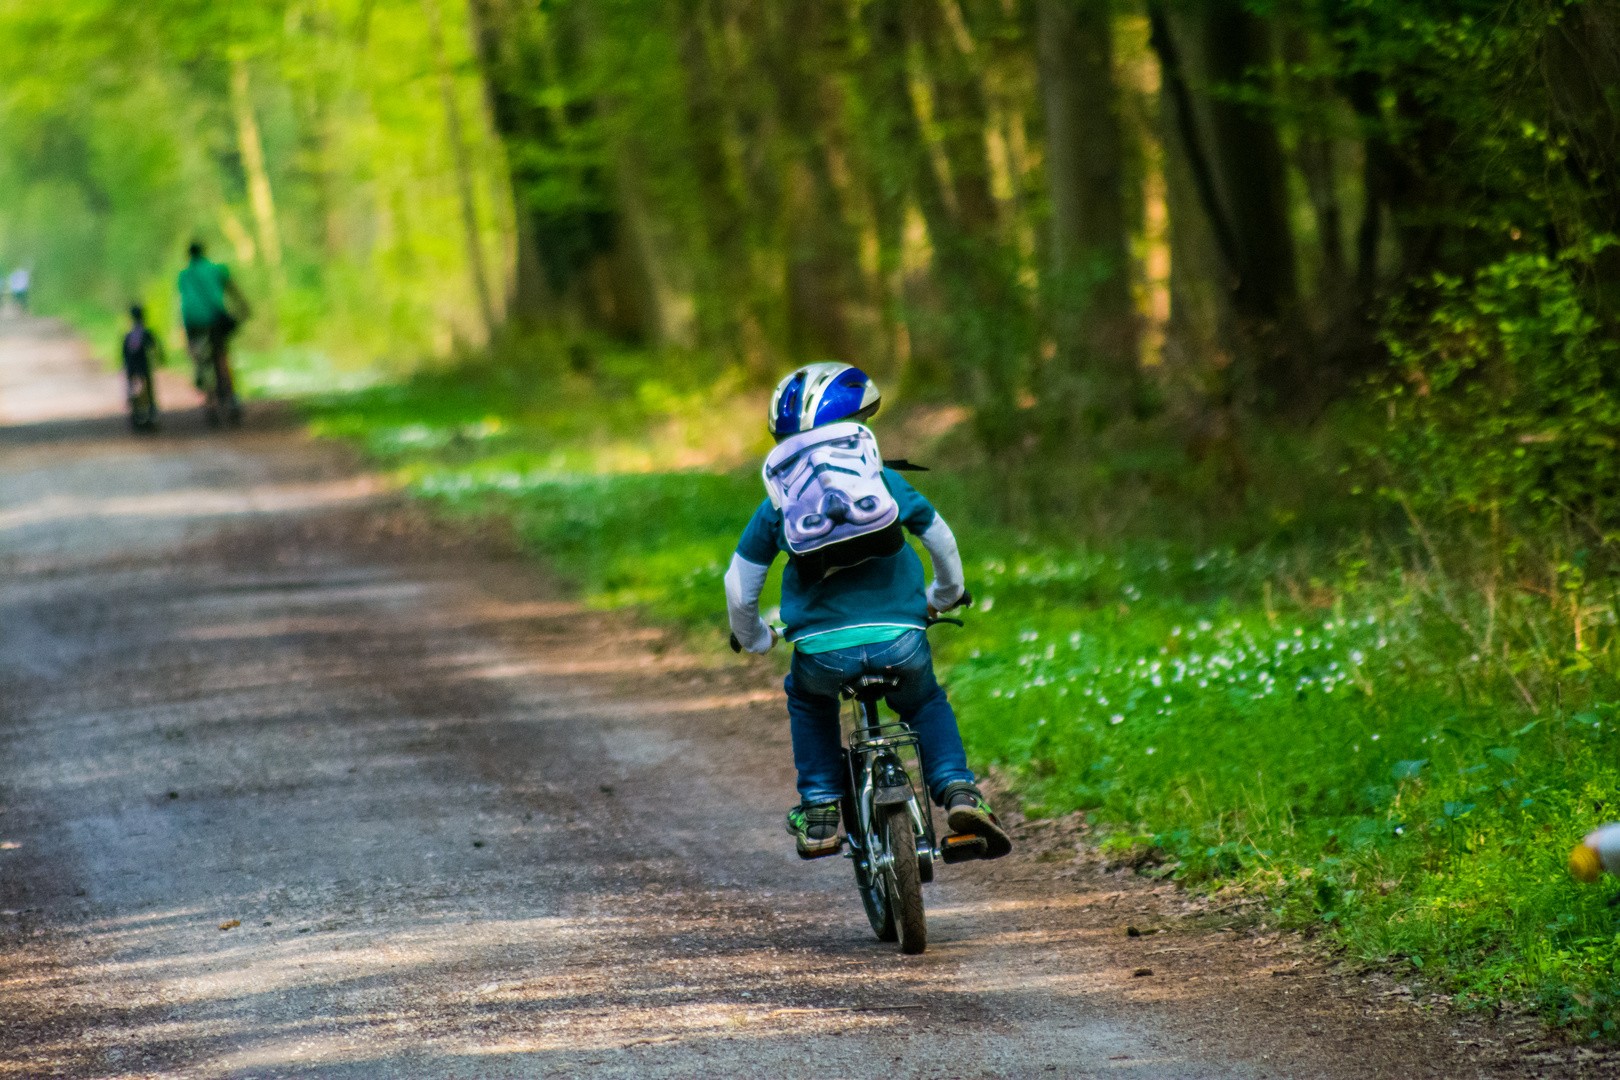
(1254, 344)
(1131, 237)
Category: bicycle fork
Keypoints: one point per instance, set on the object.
(876, 777)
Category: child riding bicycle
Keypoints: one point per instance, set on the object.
(142, 351)
(865, 611)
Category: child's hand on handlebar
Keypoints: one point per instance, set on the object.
(965, 600)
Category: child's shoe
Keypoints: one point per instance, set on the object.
(815, 830)
(967, 812)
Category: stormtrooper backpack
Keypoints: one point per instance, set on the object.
(836, 510)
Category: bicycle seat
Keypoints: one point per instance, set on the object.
(870, 687)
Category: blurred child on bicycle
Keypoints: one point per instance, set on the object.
(865, 615)
(143, 351)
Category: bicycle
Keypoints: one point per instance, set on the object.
(143, 412)
(888, 823)
(211, 357)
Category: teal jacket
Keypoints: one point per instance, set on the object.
(878, 592)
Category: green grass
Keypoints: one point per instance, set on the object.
(1341, 749)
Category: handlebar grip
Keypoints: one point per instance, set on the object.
(736, 646)
(966, 601)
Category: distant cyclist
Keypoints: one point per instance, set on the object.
(204, 289)
(143, 351)
(17, 283)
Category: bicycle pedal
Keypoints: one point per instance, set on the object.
(962, 847)
(834, 850)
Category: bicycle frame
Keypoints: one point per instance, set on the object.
(211, 362)
(891, 864)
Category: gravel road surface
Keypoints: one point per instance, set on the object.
(297, 783)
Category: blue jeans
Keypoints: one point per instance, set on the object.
(812, 697)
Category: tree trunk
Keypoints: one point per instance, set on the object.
(501, 42)
(1090, 244)
(1232, 155)
(1203, 251)
(1581, 65)
(1249, 160)
(1315, 157)
(258, 178)
(948, 70)
(823, 268)
(984, 319)
(463, 168)
(666, 312)
(886, 140)
(1378, 165)
(1199, 342)
(1339, 304)
(733, 318)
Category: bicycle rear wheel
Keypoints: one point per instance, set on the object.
(903, 880)
(207, 381)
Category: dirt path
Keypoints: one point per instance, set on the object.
(458, 827)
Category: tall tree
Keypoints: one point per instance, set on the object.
(462, 164)
(1232, 154)
(1085, 168)
(536, 62)
(1238, 58)
(823, 273)
(505, 40)
(251, 147)
(924, 70)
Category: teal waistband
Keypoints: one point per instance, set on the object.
(850, 637)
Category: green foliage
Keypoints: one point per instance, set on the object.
(1355, 763)
(1351, 755)
(120, 141)
(1508, 397)
(1477, 100)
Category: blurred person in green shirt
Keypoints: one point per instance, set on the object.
(211, 306)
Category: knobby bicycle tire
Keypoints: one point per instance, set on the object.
(904, 880)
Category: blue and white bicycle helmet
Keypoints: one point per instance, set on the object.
(820, 394)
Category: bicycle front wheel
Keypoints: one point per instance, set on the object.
(875, 899)
(902, 880)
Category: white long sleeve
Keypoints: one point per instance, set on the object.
(1606, 842)
(744, 582)
(948, 579)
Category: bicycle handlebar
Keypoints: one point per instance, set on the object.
(965, 602)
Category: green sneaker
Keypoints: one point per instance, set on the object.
(967, 812)
(815, 830)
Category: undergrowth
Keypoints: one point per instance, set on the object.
(1396, 753)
